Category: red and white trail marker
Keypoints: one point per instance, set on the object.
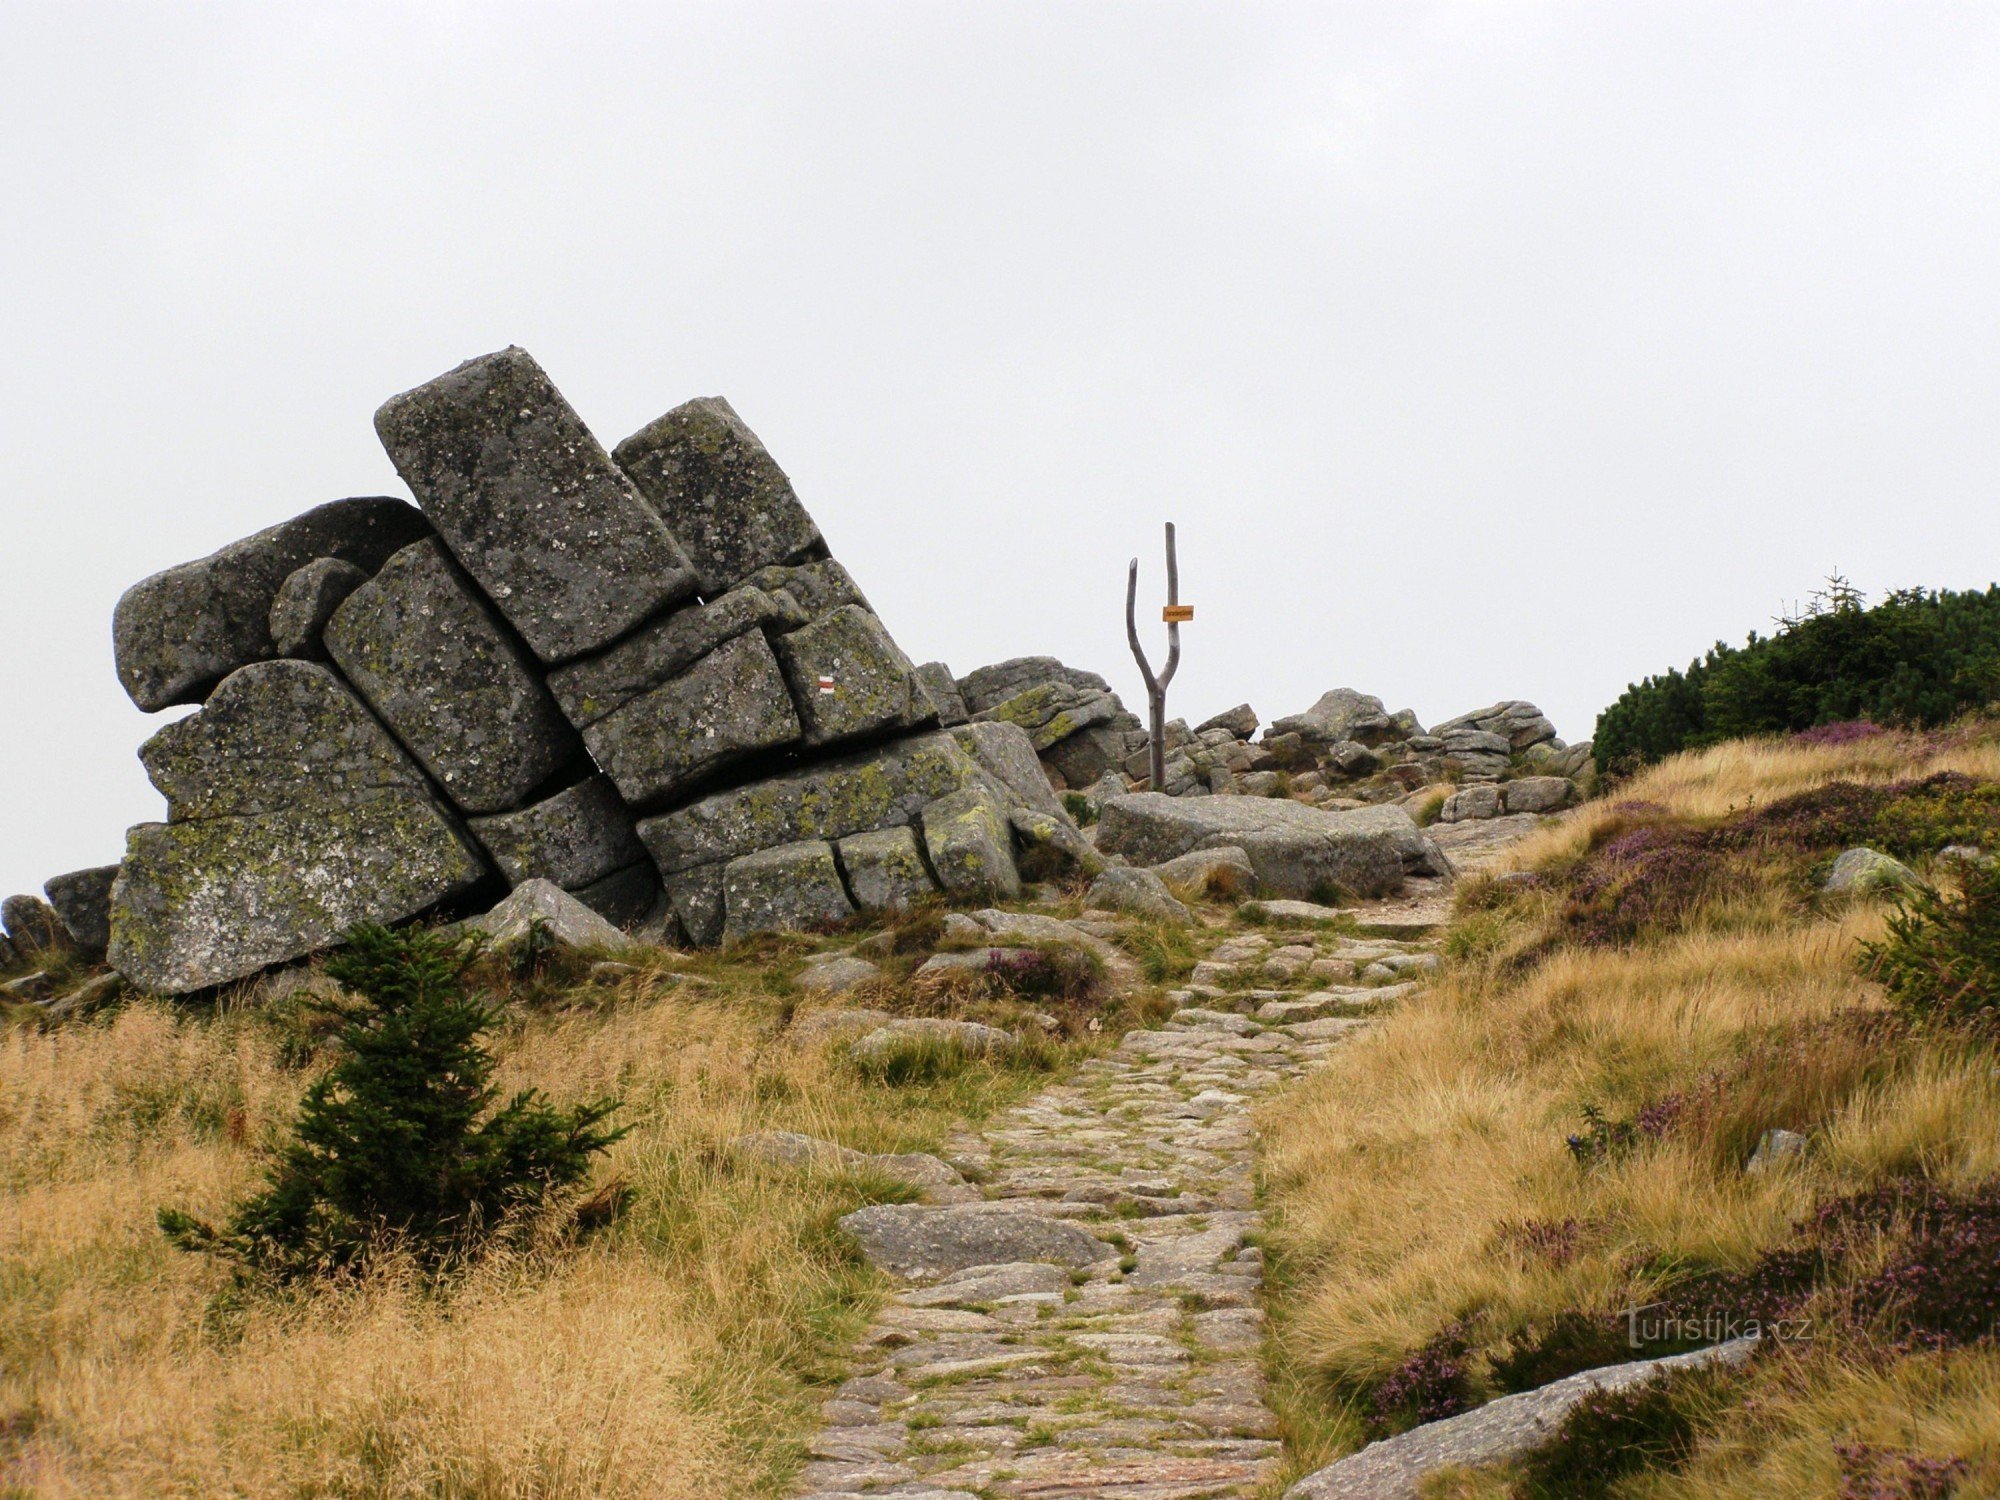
(826, 684)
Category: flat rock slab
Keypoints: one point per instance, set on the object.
(1294, 849)
(793, 887)
(1396, 1468)
(532, 506)
(934, 1180)
(991, 1283)
(450, 679)
(180, 632)
(923, 1244)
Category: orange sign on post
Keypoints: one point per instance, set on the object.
(1177, 614)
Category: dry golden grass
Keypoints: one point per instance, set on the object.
(667, 1356)
(1401, 1175)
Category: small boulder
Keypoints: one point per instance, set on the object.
(793, 887)
(1537, 794)
(1861, 870)
(34, 928)
(934, 1180)
(1139, 891)
(1774, 1149)
(968, 1037)
(562, 917)
(306, 600)
(1480, 800)
(1195, 867)
(82, 899)
(833, 973)
(1240, 721)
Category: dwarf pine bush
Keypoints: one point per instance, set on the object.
(403, 1141)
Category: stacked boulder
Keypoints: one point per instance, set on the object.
(636, 675)
(1076, 723)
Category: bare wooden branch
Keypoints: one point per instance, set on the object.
(1156, 687)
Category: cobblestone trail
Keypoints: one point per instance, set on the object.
(1138, 1378)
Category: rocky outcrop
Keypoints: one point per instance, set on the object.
(519, 686)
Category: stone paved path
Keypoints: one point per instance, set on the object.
(1139, 1377)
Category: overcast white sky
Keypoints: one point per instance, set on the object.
(1479, 350)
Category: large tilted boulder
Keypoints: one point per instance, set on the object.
(719, 489)
(292, 816)
(640, 687)
(180, 632)
(452, 681)
(532, 506)
(1295, 850)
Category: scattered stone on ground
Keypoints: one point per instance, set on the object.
(967, 1037)
(935, 1181)
(1139, 891)
(835, 973)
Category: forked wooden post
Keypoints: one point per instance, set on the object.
(1156, 687)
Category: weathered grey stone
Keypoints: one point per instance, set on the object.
(1481, 800)
(836, 973)
(1094, 753)
(945, 697)
(971, 849)
(1867, 870)
(579, 835)
(82, 899)
(593, 686)
(633, 901)
(1003, 751)
(1774, 1149)
(719, 490)
(33, 928)
(274, 735)
(1517, 721)
(293, 816)
(1395, 1468)
(306, 601)
(818, 588)
(421, 647)
(879, 788)
(729, 704)
(532, 506)
(1341, 714)
(885, 869)
(989, 685)
(1051, 847)
(559, 916)
(1538, 794)
(816, 1027)
(922, 1244)
(1354, 758)
(1195, 867)
(696, 897)
(1139, 891)
(179, 633)
(1051, 712)
(935, 1181)
(200, 903)
(36, 988)
(848, 679)
(1294, 849)
(1240, 722)
(793, 887)
(968, 1037)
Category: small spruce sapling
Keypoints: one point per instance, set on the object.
(403, 1141)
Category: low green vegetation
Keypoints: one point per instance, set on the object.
(1919, 658)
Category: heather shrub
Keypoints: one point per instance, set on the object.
(1871, 1473)
(403, 1142)
(1434, 1381)
(1941, 959)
